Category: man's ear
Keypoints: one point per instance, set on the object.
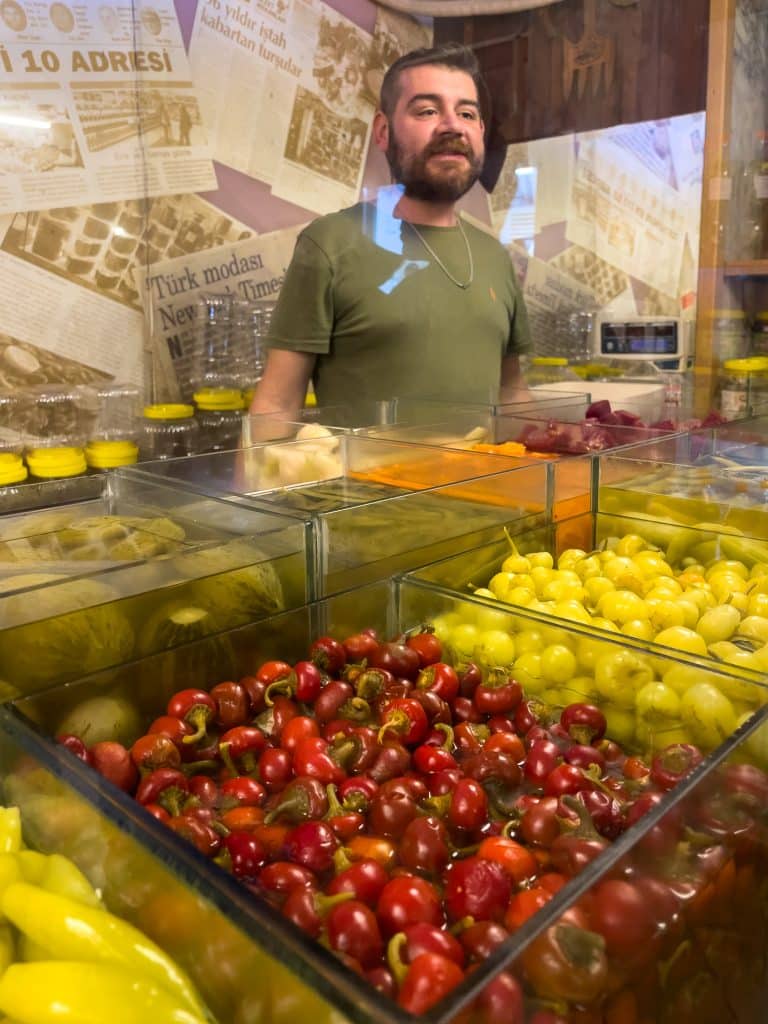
(381, 130)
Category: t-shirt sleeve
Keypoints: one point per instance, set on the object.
(520, 331)
(303, 316)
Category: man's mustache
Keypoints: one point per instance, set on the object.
(449, 145)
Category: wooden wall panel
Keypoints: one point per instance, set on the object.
(651, 63)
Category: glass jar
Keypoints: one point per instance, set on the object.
(729, 334)
(220, 415)
(108, 454)
(114, 411)
(543, 370)
(743, 387)
(11, 422)
(60, 416)
(168, 431)
(216, 360)
(56, 462)
(759, 334)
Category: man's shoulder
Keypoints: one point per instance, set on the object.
(333, 228)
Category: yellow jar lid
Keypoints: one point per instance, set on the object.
(109, 454)
(728, 314)
(754, 364)
(549, 361)
(762, 315)
(12, 468)
(219, 398)
(248, 397)
(169, 411)
(53, 462)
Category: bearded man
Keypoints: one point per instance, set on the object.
(402, 297)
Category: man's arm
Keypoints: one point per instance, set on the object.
(512, 379)
(283, 386)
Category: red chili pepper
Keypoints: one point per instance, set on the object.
(74, 745)
(197, 832)
(313, 844)
(158, 812)
(204, 789)
(328, 654)
(365, 879)
(307, 908)
(276, 716)
(357, 788)
(232, 703)
(279, 877)
(673, 763)
(247, 855)
(255, 689)
(174, 728)
(303, 799)
(429, 979)
(469, 737)
(427, 646)
(112, 761)
(498, 693)
(195, 707)
(428, 759)
(440, 679)
(298, 728)
(243, 791)
(239, 748)
(392, 759)
(312, 757)
(165, 786)
(406, 718)
(584, 723)
(155, 751)
(572, 852)
(270, 671)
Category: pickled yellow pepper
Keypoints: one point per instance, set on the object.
(70, 930)
(62, 992)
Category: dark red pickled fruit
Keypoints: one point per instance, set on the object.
(424, 846)
(476, 888)
(539, 824)
(197, 832)
(365, 879)
(153, 751)
(672, 764)
(468, 809)
(501, 999)
(390, 813)
(330, 699)
(428, 647)
(584, 723)
(275, 768)
(312, 844)
(360, 646)
(247, 855)
(583, 756)
(112, 761)
(426, 938)
(481, 938)
(74, 745)
(328, 654)
(470, 678)
(406, 900)
(399, 659)
(352, 929)
(542, 758)
(280, 876)
(232, 703)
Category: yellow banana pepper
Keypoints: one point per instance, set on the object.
(65, 992)
(69, 930)
(62, 876)
(10, 829)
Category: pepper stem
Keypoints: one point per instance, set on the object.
(198, 717)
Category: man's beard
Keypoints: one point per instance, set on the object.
(445, 184)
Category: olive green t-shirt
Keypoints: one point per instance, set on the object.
(386, 320)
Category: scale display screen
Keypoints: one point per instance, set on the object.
(640, 339)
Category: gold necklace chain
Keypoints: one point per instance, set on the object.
(439, 262)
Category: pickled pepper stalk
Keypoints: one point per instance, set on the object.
(70, 930)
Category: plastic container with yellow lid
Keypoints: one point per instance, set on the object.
(168, 431)
(12, 469)
(110, 454)
(56, 462)
(220, 416)
(743, 387)
(543, 370)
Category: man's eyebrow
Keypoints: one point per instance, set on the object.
(433, 97)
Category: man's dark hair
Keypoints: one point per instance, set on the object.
(450, 55)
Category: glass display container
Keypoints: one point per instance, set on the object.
(11, 423)
(701, 899)
(377, 506)
(96, 569)
(56, 416)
